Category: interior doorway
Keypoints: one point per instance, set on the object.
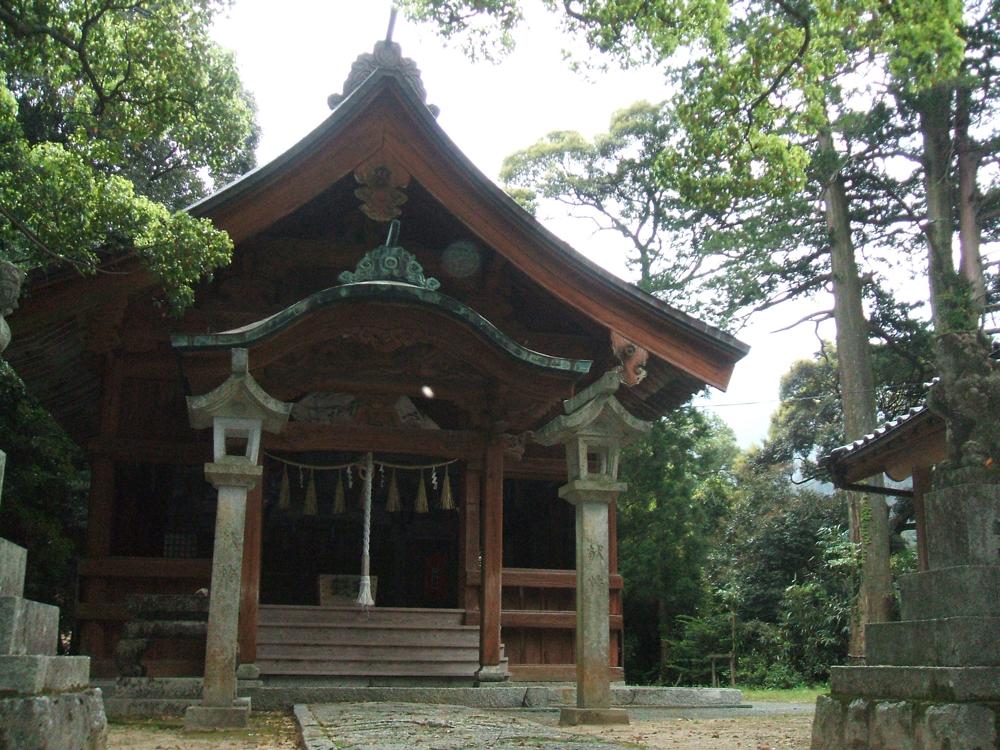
(313, 513)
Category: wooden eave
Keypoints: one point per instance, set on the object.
(385, 117)
(896, 450)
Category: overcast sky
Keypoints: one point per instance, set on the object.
(293, 54)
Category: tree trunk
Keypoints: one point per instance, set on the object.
(934, 110)
(967, 394)
(868, 514)
(969, 231)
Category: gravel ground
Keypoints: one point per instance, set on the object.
(765, 726)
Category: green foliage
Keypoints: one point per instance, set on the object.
(43, 506)
(808, 423)
(680, 484)
(111, 118)
(780, 578)
(613, 179)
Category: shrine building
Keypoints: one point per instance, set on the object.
(411, 318)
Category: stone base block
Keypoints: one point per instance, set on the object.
(211, 718)
(947, 684)
(950, 642)
(574, 716)
(493, 673)
(965, 590)
(861, 724)
(28, 675)
(68, 721)
(964, 518)
(13, 560)
(248, 671)
(28, 627)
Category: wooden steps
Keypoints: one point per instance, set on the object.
(353, 643)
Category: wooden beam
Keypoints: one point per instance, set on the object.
(492, 546)
(146, 567)
(152, 451)
(542, 578)
(541, 619)
(551, 469)
(302, 436)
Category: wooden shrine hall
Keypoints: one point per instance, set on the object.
(436, 351)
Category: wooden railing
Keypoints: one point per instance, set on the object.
(538, 620)
(106, 582)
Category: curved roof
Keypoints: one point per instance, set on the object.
(386, 114)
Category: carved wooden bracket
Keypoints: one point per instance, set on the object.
(632, 359)
(514, 444)
(381, 193)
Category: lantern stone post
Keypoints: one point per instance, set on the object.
(236, 411)
(593, 428)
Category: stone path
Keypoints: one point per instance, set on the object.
(404, 726)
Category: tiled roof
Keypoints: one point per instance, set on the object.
(883, 431)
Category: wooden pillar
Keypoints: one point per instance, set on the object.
(101, 507)
(492, 547)
(614, 597)
(468, 541)
(250, 578)
(921, 486)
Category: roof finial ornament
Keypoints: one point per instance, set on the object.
(388, 56)
(392, 23)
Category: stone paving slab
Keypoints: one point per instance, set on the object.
(406, 726)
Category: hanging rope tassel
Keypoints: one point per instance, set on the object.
(285, 492)
(392, 503)
(447, 501)
(365, 598)
(312, 505)
(339, 504)
(420, 506)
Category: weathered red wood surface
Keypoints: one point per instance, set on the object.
(492, 546)
(250, 578)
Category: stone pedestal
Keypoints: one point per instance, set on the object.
(932, 680)
(219, 708)
(46, 702)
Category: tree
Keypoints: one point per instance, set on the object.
(112, 116)
(808, 423)
(770, 91)
(43, 506)
(679, 489)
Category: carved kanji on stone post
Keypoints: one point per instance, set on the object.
(236, 411)
(594, 428)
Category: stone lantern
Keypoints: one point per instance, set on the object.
(237, 411)
(593, 428)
